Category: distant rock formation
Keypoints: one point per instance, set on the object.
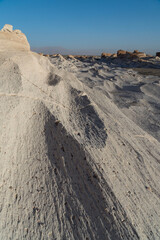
(130, 55)
(71, 56)
(125, 55)
(114, 55)
(121, 53)
(13, 40)
(139, 54)
(104, 55)
(158, 54)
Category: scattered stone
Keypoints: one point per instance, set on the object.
(57, 122)
(26, 229)
(40, 223)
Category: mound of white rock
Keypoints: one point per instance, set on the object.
(13, 40)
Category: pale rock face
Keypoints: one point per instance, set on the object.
(13, 40)
(17, 31)
(7, 28)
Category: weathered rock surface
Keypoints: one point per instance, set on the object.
(7, 28)
(79, 150)
(114, 55)
(13, 40)
(104, 55)
(130, 55)
(70, 56)
(121, 53)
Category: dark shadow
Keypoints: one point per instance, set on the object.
(132, 88)
(53, 79)
(148, 67)
(90, 123)
(89, 207)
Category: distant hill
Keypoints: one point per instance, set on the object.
(52, 50)
(64, 51)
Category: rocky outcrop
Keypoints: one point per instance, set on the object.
(130, 55)
(71, 56)
(139, 54)
(13, 40)
(121, 53)
(7, 28)
(158, 54)
(104, 55)
(114, 55)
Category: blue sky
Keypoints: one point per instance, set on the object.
(86, 24)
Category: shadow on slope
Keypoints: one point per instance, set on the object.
(83, 208)
(88, 120)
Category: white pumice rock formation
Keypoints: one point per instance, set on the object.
(13, 40)
(75, 161)
(7, 28)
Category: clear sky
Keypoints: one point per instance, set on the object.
(86, 24)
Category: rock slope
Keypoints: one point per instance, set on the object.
(73, 164)
(13, 40)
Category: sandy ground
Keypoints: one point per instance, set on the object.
(80, 149)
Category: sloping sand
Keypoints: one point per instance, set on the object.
(79, 158)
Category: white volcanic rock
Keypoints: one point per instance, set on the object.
(13, 40)
(17, 31)
(7, 28)
(73, 165)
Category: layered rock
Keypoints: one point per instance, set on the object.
(13, 40)
(130, 55)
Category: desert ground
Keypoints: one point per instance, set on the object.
(79, 145)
